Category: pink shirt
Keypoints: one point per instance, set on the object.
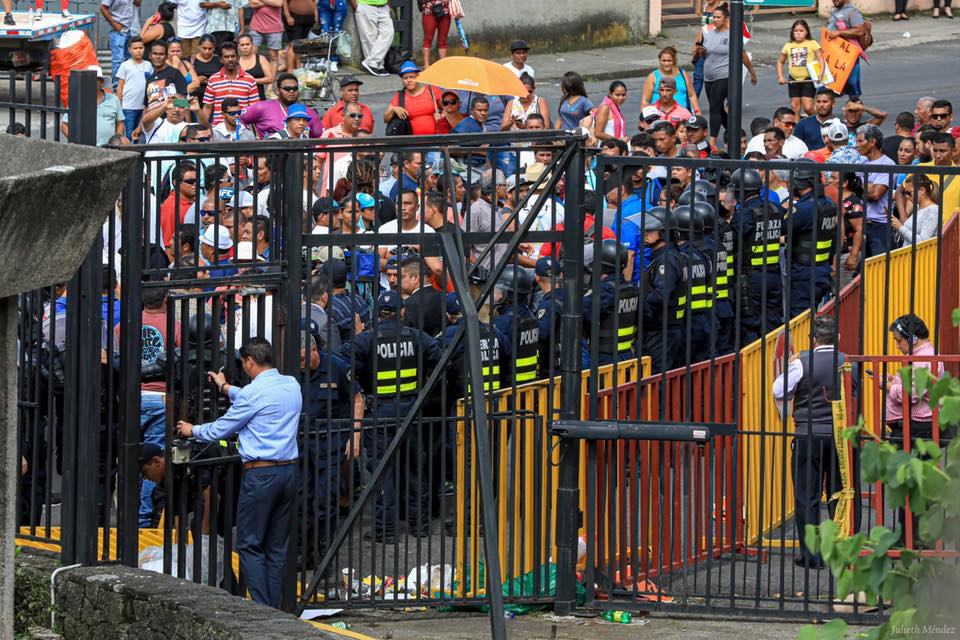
(267, 20)
(919, 407)
(268, 117)
(675, 115)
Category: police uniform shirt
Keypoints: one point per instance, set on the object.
(526, 350)
(666, 287)
(425, 309)
(495, 356)
(812, 231)
(331, 390)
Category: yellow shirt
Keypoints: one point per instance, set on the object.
(949, 191)
(799, 54)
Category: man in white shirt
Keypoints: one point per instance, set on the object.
(519, 50)
(793, 147)
(191, 24)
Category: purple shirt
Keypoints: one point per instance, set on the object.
(877, 209)
(268, 116)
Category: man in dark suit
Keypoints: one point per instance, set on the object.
(424, 306)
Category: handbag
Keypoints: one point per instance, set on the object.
(399, 126)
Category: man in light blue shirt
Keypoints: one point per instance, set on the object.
(265, 415)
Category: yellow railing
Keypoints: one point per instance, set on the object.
(888, 285)
(526, 472)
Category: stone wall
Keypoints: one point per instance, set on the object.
(101, 603)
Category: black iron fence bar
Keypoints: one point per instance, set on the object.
(641, 430)
(481, 441)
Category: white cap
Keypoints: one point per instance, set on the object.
(222, 235)
(836, 131)
(96, 67)
(649, 111)
(244, 198)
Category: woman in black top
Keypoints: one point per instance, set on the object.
(255, 64)
(158, 26)
(206, 62)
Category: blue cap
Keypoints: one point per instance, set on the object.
(310, 325)
(548, 266)
(392, 263)
(409, 67)
(298, 110)
(226, 194)
(454, 308)
(366, 201)
(391, 301)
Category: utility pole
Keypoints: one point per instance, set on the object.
(735, 80)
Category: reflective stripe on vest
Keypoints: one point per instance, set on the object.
(766, 254)
(526, 368)
(406, 384)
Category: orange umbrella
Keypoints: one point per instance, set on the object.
(460, 73)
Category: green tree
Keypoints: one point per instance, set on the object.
(924, 591)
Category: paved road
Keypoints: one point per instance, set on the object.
(893, 82)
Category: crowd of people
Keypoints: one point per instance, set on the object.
(683, 263)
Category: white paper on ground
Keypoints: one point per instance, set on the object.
(313, 614)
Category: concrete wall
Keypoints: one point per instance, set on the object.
(547, 25)
(101, 603)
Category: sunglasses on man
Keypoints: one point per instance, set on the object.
(290, 87)
(450, 103)
(355, 116)
(232, 114)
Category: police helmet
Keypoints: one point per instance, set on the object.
(748, 180)
(805, 175)
(204, 323)
(686, 222)
(655, 219)
(707, 215)
(613, 257)
(479, 275)
(516, 280)
(718, 178)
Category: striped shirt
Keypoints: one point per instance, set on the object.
(242, 87)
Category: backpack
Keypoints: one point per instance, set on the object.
(867, 38)
(399, 126)
(393, 59)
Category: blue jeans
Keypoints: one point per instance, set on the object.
(264, 508)
(331, 20)
(131, 118)
(153, 427)
(698, 76)
(119, 51)
(852, 88)
(877, 238)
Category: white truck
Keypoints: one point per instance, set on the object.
(27, 45)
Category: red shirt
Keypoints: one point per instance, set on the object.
(588, 221)
(242, 87)
(168, 216)
(334, 117)
(420, 110)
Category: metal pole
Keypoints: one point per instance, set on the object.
(735, 80)
(293, 293)
(130, 347)
(568, 494)
(81, 406)
(491, 542)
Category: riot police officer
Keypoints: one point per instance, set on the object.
(686, 227)
(334, 408)
(811, 238)
(664, 294)
(757, 224)
(517, 322)
(619, 302)
(713, 244)
(391, 361)
(548, 312)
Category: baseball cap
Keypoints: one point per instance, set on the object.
(408, 67)
(650, 113)
(149, 451)
(697, 122)
(218, 233)
(226, 194)
(519, 45)
(245, 200)
(390, 301)
(668, 81)
(325, 253)
(454, 308)
(547, 267)
(836, 131)
(366, 201)
(346, 81)
(96, 67)
(298, 110)
(337, 269)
